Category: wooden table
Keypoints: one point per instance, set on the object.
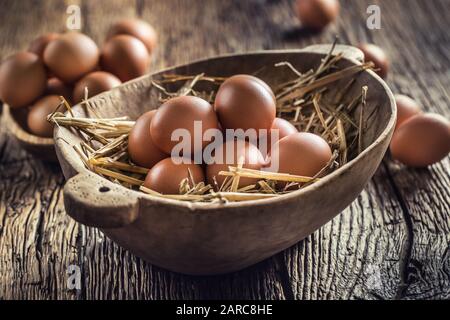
(393, 241)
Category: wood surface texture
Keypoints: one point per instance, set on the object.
(393, 241)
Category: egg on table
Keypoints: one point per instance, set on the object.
(71, 55)
(23, 79)
(125, 56)
(96, 82)
(232, 153)
(141, 148)
(166, 176)
(37, 116)
(422, 140)
(245, 102)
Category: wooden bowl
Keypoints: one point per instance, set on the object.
(204, 238)
(42, 148)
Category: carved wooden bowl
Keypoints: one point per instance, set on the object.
(205, 238)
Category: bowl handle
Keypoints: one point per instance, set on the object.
(348, 52)
(99, 203)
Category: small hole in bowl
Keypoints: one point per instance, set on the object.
(103, 189)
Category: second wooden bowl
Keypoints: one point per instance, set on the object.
(39, 147)
(202, 238)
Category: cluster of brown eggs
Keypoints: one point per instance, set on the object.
(65, 64)
(242, 102)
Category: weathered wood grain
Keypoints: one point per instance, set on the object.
(392, 242)
(358, 255)
(421, 69)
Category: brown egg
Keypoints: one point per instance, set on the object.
(71, 56)
(165, 176)
(141, 148)
(301, 153)
(22, 79)
(126, 57)
(260, 81)
(181, 113)
(231, 153)
(136, 28)
(38, 45)
(377, 56)
(96, 82)
(317, 14)
(406, 108)
(243, 102)
(57, 87)
(283, 128)
(422, 140)
(37, 116)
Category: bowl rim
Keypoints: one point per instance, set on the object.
(21, 134)
(206, 206)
